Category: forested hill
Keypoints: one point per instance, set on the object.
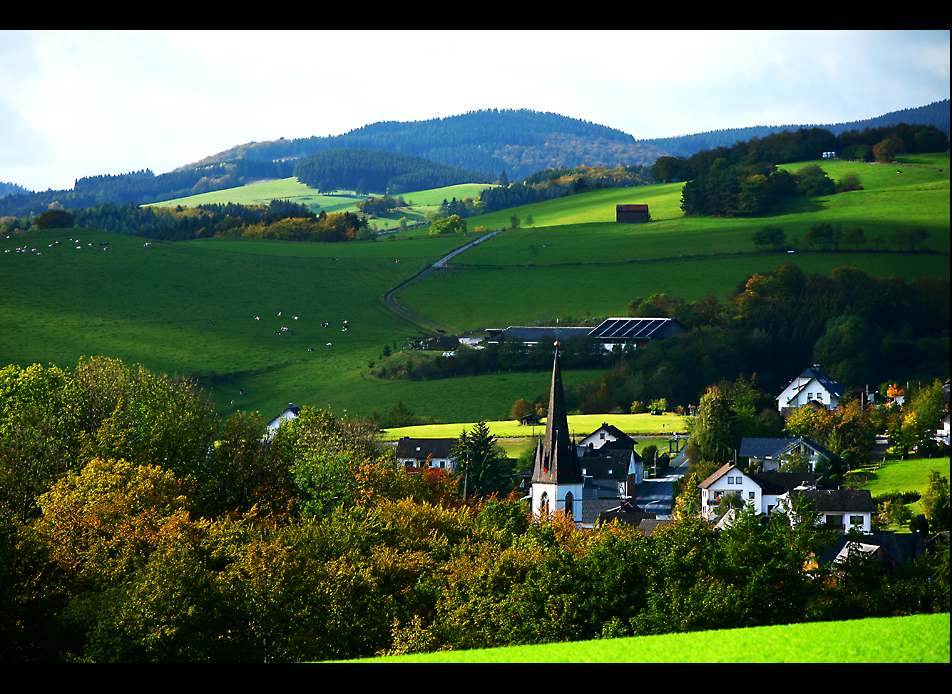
(366, 170)
(519, 142)
(936, 113)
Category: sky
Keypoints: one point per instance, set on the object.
(85, 103)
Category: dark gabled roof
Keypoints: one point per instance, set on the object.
(622, 440)
(420, 449)
(782, 482)
(523, 333)
(606, 464)
(632, 208)
(816, 372)
(838, 500)
(765, 449)
(900, 547)
(637, 328)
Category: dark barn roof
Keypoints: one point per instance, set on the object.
(624, 329)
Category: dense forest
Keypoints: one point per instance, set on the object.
(137, 526)
(367, 170)
(935, 114)
(518, 142)
(863, 330)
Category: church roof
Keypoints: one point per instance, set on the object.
(556, 461)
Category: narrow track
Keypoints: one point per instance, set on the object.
(390, 298)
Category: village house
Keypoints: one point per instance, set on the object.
(768, 453)
(759, 490)
(290, 412)
(811, 387)
(431, 453)
(610, 334)
(845, 509)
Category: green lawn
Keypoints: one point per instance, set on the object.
(912, 639)
(905, 476)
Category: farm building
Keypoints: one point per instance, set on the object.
(631, 214)
(610, 333)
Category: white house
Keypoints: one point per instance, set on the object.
(608, 436)
(761, 490)
(290, 412)
(811, 386)
(433, 453)
(846, 509)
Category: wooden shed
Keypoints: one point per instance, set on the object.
(631, 214)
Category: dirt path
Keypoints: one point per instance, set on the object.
(417, 321)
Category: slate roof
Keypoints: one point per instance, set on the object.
(768, 449)
(782, 482)
(770, 482)
(900, 547)
(816, 372)
(420, 449)
(622, 440)
(838, 500)
(606, 464)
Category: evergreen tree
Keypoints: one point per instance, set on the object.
(483, 465)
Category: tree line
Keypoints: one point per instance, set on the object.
(556, 183)
(136, 526)
(143, 187)
(744, 178)
(280, 219)
(864, 331)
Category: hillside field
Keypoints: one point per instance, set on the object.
(912, 639)
(190, 307)
(263, 192)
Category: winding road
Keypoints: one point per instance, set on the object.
(417, 321)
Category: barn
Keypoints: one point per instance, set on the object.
(631, 214)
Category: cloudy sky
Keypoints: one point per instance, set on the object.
(80, 103)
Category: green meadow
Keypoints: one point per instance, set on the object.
(263, 192)
(911, 639)
(190, 307)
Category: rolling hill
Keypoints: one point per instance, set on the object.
(190, 307)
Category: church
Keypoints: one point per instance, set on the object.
(583, 480)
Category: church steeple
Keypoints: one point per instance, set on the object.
(556, 461)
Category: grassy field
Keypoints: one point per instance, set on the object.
(912, 639)
(190, 307)
(575, 260)
(579, 425)
(905, 476)
(264, 192)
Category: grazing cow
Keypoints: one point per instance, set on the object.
(328, 344)
(295, 317)
(310, 349)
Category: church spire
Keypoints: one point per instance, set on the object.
(556, 461)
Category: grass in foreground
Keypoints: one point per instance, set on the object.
(912, 639)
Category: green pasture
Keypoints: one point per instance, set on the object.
(576, 261)
(580, 425)
(189, 307)
(905, 476)
(420, 202)
(911, 639)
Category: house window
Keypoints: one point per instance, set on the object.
(809, 396)
(544, 502)
(750, 495)
(857, 520)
